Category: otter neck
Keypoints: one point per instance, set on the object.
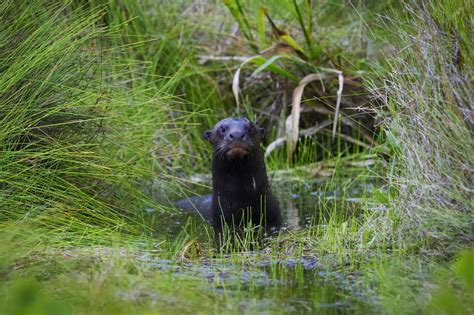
(240, 175)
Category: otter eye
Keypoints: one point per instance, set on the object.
(224, 128)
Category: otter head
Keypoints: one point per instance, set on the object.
(235, 138)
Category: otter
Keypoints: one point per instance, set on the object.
(240, 189)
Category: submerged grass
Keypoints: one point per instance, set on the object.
(101, 111)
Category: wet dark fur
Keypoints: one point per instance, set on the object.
(239, 179)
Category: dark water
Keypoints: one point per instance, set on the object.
(282, 282)
(302, 204)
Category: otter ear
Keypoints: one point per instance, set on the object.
(263, 132)
(207, 135)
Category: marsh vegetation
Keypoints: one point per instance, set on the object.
(369, 112)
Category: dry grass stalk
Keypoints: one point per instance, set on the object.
(293, 120)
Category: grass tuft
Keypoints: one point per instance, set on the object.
(428, 113)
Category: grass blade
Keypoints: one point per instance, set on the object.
(259, 60)
(293, 120)
(236, 10)
(307, 34)
(266, 64)
(284, 36)
(261, 26)
(236, 79)
(263, 64)
(340, 77)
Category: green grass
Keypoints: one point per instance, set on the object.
(429, 129)
(102, 109)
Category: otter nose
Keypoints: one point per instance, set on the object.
(236, 135)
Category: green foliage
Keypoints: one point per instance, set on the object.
(462, 268)
(452, 298)
(102, 108)
(429, 129)
(75, 143)
(305, 46)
